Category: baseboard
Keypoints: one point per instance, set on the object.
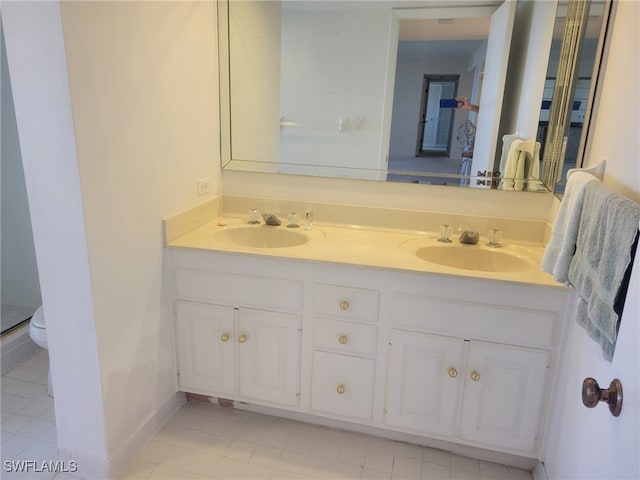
(144, 434)
(540, 472)
(16, 347)
(90, 467)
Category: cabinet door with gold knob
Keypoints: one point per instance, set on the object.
(424, 382)
(206, 360)
(503, 394)
(342, 385)
(268, 356)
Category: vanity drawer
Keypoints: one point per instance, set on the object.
(524, 326)
(344, 337)
(342, 385)
(346, 302)
(225, 288)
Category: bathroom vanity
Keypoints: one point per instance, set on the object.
(352, 325)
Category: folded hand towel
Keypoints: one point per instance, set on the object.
(510, 170)
(532, 170)
(562, 245)
(608, 229)
(507, 140)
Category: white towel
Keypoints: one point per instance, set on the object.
(608, 229)
(562, 245)
(534, 184)
(513, 168)
(507, 140)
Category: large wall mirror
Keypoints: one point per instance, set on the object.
(364, 89)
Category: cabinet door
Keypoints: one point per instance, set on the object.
(205, 348)
(268, 356)
(504, 394)
(424, 382)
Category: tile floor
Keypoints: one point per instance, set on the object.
(208, 441)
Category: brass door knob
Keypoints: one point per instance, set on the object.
(344, 305)
(224, 337)
(453, 373)
(592, 395)
(343, 339)
(475, 376)
(242, 338)
(340, 389)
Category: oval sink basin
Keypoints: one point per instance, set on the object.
(261, 236)
(472, 257)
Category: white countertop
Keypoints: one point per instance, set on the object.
(366, 246)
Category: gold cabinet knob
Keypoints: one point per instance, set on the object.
(343, 339)
(453, 373)
(242, 338)
(475, 376)
(340, 389)
(344, 305)
(224, 337)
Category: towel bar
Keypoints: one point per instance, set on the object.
(592, 394)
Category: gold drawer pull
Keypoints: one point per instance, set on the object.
(343, 339)
(340, 389)
(453, 373)
(344, 305)
(475, 376)
(242, 338)
(224, 337)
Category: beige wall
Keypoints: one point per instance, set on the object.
(143, 82)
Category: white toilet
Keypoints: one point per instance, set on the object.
(38, 333)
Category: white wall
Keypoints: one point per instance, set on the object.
(590, 443)
(254, 43)
(341, 76)
(35, 54)
(142, 78)
(20, 283)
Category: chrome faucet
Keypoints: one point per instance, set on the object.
(469, 237)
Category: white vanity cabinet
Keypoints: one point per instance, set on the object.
(464, 360)
(483, 392)
(226, 345)
(473, 361)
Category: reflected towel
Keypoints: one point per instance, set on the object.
(521, 169)
(513, 172)
(507, 140)
(562, 245)
(532, 170)
(608, 229)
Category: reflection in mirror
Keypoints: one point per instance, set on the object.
(311, 88)
(437, 61)
(578, 36)
(311, 84)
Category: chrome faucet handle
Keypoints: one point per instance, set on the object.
(254, 216)
(494, 237)
(445, 233)
(469, 237)
(308, 218)
(292, 220)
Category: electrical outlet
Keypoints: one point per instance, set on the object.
(204, 186)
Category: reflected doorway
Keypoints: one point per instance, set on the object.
(435, 127)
